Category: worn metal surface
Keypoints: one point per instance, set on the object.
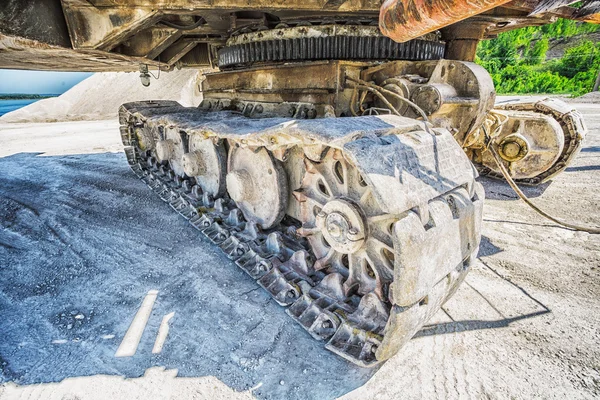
(119, 35)
(361, 226)
(530, 143)
(537, 139)
(404, 20)
(348, 5)
(39, 20)
(455, 95)
(329, 48)
(19, 53)
(341, 261)
(588, 10)
(256, 182)
(303, 90)
(206, 162)
(323, 42)
(345, 226)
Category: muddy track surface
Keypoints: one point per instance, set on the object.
(83, 244)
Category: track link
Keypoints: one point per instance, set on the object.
(436, 205)
(573, 130)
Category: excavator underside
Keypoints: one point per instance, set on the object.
(335, 153)
(118, 35)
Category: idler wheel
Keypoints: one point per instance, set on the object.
(206, 161)
(240, 185)
(530, 144)
(164, 150)
(170, 149)
(257, 183)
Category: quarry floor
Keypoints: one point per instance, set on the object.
(83, 244)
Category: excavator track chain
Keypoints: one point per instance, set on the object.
(399, 204)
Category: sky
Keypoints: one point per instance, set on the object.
(38, 82)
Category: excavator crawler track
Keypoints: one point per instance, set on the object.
(381, 216)
(561, 146)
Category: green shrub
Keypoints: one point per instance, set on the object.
(517, 62)
(581, 58)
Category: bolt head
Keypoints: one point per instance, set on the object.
(511, 149)
(327, 324)
(263, 266)
(334, 229)
(337, 226)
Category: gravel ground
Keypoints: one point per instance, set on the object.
(83, 242)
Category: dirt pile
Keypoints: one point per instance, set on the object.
(591, 97)
(100, 96)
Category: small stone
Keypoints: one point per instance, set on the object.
(281, 382)
(79, 316)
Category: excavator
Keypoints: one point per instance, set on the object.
(335, 152)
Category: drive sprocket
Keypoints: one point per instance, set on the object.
(345, 226)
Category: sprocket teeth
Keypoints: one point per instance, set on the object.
(323, 262)
(337, 155)
(304, 232)
(310, 166)
(299, 195)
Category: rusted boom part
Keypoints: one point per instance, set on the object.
(403, 20)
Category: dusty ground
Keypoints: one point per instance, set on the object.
(83, 241)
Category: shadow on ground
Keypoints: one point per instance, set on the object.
(534, 308)
(83, 242)
(497, 189)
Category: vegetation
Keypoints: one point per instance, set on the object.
(517, 59)
(20, 96)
